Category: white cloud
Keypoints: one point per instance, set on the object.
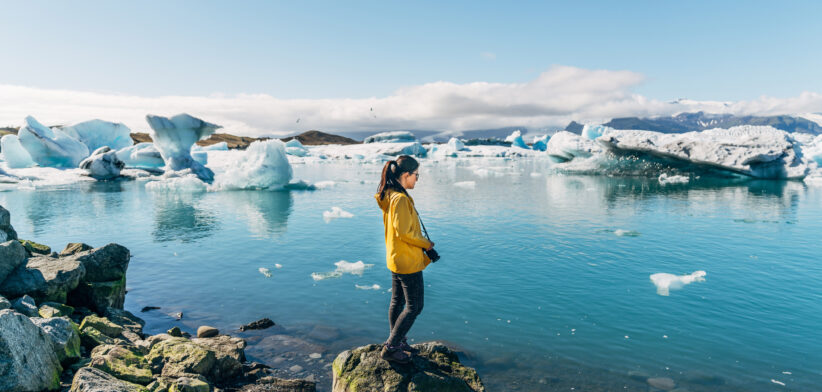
(554, 98)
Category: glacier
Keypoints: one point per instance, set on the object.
(51, 147)
(103, 164)
(98, 133)
(173, 137)
(14, 154)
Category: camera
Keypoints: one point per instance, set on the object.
(432, 254)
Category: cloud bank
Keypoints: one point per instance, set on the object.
(553, 99)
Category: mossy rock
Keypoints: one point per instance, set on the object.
(102, 324)
(34, 247)
(177, 356)
(125, 363)
(74, 247)
(54, 309)
(188, 384)
(90, 337)
(99, 296)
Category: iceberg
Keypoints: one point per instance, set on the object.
(103, 164)
(175, 136)
(540, 143)
(221, 146)
(335, 213)
(141, 156)
(294, 147)
(449, 149)
(14, 154)
(51, 147)
(98, 133)
(263, 165)
(516, 140)
(666, 282)
(665, 179)
(391, 137)
(565, 146)
(813, 150)
(592, 132)
(179, 181)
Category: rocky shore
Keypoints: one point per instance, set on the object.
(63, 327)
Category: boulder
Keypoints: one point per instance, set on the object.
(125, 319)
(207, 332)
(106, 263)
(125, 363)
(12, 255)
(89, 379)
(44, 278)
(35, 248)
(274, 384)
(229, 353)
(4, 303)
(99, 296)
(54, 309)
(435, 368)
(175, 331)
(6, 231)
(101, 324)
(187, 383)
(90, 337)
(25, 305)
(73, 248)
(64, 334)
(27, 361)
(176, 356)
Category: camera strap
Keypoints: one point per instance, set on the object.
(421, 224)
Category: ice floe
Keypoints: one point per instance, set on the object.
(367, 287)
(173, 137)
(343, 267)
(466, 184)
(335, 213)
(665, 282)
(666, 179)
(50, 147)
(265, 271)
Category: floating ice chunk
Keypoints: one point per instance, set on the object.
(221, 146)
(449, 149)
(665, 179)
(665, 282)
(626, 233)
(540, 143)
(103, 164)
(814, 180)
(14, 154)
(391, 137)
(263, 165)
(294, 147)
(278, 266)
(336, 212)
(343, 267)
(51, 147)
(184, 181)
(813, 150)
(317, 276)
(265, 271)
(141, 156)
(566, 146)
(200, 156)
(777, 382)
(516, 140)
(372, 287)
(466, 184)
(592, 132)
(536, 174)
(175, 136)
(324, 184)
(98, 133)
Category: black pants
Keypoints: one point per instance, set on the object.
(407, 292)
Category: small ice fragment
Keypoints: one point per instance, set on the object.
(366, 287)
(336, 212)
(265, 271)
(343, 267)
(278, 266)
(778, 382)
(788, 373)
(315, 355)
(665, 282)
(665, 336)
(324, 184)
(325, 275)
(627, 337)
(466, 184)
(626, 233)
(536, 174)
(665, 179)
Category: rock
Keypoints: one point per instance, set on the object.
(54, 309)
(663, 383)
(103, 164)
(6, 231)
(73, 248)
(177, 356)
(295, 369)
(25, 305)
(229, 353)
(64, 335)
(89, 379)
(259, 324)
(206, 332)
(12, 255)
(90, 337)
(435, 368)
(27, 361)
(102, 324)
(106, 263)
(44, 278)
(175, 331)
(99, 296)
(122, 362)
(125, 319)
(4, 303)
(274, 384)
(148, 308)
(188, 384)
(35, 248)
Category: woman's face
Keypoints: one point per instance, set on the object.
(409, 180)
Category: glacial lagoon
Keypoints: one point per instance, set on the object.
(544, 284)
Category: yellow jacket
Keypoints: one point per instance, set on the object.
(404, 242)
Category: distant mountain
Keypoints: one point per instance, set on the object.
(314, 138)
(700, 121)
(234, 142)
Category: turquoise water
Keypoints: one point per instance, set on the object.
(535, 287)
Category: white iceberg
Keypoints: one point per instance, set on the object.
(141, 156)
(591, 132)
(665, 282)
(450, 149)
(565, 146)
(665, 179)
(175, 136)
(263, 165)
(540, 143)
(14, 154)
(294, 147)
(98, 133)
(391, 137)
(221, 146)
(179, 181)
(516, 140)
(51, 147)
(103, 164)
(335, 213)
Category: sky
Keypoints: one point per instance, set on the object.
(257, 67)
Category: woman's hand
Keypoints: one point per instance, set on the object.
(431, 247)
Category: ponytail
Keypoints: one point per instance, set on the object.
(391, 173)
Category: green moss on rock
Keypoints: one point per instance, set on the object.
(122, 362)
(54, 309)
(177, 356)
(34, 247)
(102, 324)
(90, 337)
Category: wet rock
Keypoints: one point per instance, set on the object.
(206, 332)
(4, 303)
(25, 305)
(259, 324)
(12, 255)
(188, 384)
(106, 263)
(125, 319)
(90, 337)
(663, 383)
(64, 336)
(122, 362)
(54, 309)
(28, 361)
(89, 379)
(274, 384)
(177, 356)
(73, 248)
(176, 332)
(435, 368)
(44, 278)
(6, 231)
(35, 248)
(324, 333)
(148, 308)
(101, 324)
(229, 353)
(99, 296)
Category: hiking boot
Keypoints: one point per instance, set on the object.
(394, 354)
(404, 346)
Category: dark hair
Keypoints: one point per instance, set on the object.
(392, 171)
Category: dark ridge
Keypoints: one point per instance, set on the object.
(574, 127)
(8, 131)
(700, 121)
(315, 138)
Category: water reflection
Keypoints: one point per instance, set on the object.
(265, 213)
(178, 217)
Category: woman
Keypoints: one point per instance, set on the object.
(404, 253)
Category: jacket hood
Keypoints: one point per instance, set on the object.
(386, 202)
